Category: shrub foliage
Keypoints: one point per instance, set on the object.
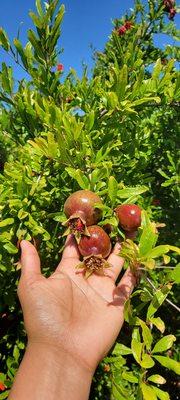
(114, 133)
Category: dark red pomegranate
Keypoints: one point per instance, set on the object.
(129, 216)
(81, 211)
(94, 248)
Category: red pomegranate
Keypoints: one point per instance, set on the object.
(129, 216)
(94, 248)
(81, 211)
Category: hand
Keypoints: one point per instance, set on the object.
(73, 315)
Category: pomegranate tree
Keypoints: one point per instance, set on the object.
(81, 211)
(95, 248)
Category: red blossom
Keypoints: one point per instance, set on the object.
(168, 4)
(60, 67)
(2, 387)
(172, 13)
(128, 25)
(122, 30)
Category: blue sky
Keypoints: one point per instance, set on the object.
(86, 22)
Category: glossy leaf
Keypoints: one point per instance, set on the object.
(169, 363)
(148, 392)
(136, 347)
(6, 222)
(158, 300)
(129, 376)
(158, 323)
(146, 333)
(157, 379)
(164, 344)
(161, 394)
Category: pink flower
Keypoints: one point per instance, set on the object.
(122, 30)
(60, 67)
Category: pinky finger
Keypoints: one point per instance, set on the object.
(125, 287)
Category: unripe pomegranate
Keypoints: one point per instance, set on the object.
(80, 209)
(94, 248)
(129, 216)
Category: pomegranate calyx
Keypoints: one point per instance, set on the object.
(77, 226)
(93, 263)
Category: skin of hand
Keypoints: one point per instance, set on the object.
(72, 316)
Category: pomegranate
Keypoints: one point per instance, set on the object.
(129, 216)
(94, 248)
(81, 212)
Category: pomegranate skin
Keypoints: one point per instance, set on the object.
(83, 203)
(98, 243)
(129, 216)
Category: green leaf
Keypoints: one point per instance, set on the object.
(121, 349)
(175, 274)
(37, 21)
(147, 240)
(131, 191)
(4, 395)
(158, 251)
(90, 121)
(7, 221)
(146, 100)
(11, 249)
(157, 379)
(112, 189)
(158, 323)
(157, 300)
(112, 100)
(122, 82)
(21, 52)
(39, 8)
(147, 361)
(164, 344)
(148, 392)
(136, 347)
(146, 334)
(77, 174)
(161, 394)
(6, 77)
(4, 41)
(130, 377)
(169, 363)
(36, 44)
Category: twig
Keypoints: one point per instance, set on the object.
(166, 300)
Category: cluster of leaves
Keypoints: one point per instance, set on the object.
(114, 134)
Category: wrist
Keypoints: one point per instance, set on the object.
(54, 374)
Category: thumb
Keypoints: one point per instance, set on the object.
(30, 261)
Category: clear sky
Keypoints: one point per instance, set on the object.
(86, 22)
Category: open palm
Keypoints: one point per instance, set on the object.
(79, 316)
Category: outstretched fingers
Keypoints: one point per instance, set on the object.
(30, 261)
